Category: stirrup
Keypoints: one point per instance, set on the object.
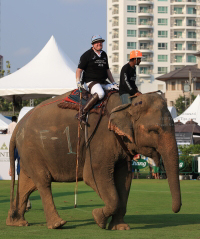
(82, 118)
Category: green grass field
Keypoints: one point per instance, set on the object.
(149, 213)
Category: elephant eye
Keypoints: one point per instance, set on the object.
(154, 130)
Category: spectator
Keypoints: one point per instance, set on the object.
(12, 125)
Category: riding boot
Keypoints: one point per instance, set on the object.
(89, 104)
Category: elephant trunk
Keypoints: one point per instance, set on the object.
(170, 158)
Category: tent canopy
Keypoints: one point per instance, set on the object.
(172, 111)
(4, 122)
(50, 73)
(192, 112)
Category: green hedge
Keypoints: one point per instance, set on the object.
(186, 150)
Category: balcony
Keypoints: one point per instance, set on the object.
(115, 35)
(115, 23)
(148, 35)
(184, 1)
(145, 1)
(146, 48)
(148, 24)
(115, 11)
(115, 59)
(115, 47)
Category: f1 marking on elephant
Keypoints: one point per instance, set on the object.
(66, 131)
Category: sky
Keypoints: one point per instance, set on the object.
(27, 25)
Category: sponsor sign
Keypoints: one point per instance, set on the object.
(141, 163)
(4, 157)
(184, 138)
(181, 164)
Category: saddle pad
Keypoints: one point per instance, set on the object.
(73, 100)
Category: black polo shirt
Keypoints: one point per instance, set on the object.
(95, 67)
(127, 80)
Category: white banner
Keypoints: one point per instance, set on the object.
(4, 157)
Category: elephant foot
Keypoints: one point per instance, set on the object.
(99, 217)
(16, 222)
(57, 224)
(118, 226)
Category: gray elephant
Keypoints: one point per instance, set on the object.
(46, 139)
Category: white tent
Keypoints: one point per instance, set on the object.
(172, 111)
(4, 122)
(24, 111)
(193, 112)
(50, 73)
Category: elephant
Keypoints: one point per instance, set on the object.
(46, 139)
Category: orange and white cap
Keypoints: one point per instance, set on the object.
(136, 54)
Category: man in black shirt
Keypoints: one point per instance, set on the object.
(127, 86)
(94, 68)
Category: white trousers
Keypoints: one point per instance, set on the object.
(98, 88)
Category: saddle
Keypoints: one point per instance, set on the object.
(73, 101)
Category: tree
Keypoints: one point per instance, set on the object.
(8, 66)
(182, 103)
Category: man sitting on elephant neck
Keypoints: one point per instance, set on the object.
(127, 86)
(94, 66)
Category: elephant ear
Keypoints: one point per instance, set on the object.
(120, 121)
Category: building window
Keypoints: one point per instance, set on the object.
(162, 58)
(192, 59)
(177, 34)
(182, 85)
(131, 33)
(191, 34)
(162, 21)
(162, 46)
(163, 34)
(173, 85)
(144, 9)
(191, 23)
(178, 10)
(131, 21)
(197, 85)
(162, 70)
(178, 46)
(162, 10)
(143, 33)
(178, 58)
(131, 45)
(191, 10)
(143, 70)
(131, 8)
(178, 22)
(128, 57)
(192, 47)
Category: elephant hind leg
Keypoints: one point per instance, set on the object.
(53, 219)
(16, 214)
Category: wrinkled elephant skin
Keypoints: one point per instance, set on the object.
(46, 139)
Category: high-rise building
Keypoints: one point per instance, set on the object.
(167, 32)
(1, 64)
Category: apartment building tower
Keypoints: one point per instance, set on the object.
(167, 32)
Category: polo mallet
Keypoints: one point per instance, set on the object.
(78, 148)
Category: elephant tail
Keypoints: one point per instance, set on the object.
(12, 148)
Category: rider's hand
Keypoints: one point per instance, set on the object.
(78, 84)
(138, 93)
(115, 86)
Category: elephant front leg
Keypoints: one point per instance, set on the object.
(101, 180)
(122, 179)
